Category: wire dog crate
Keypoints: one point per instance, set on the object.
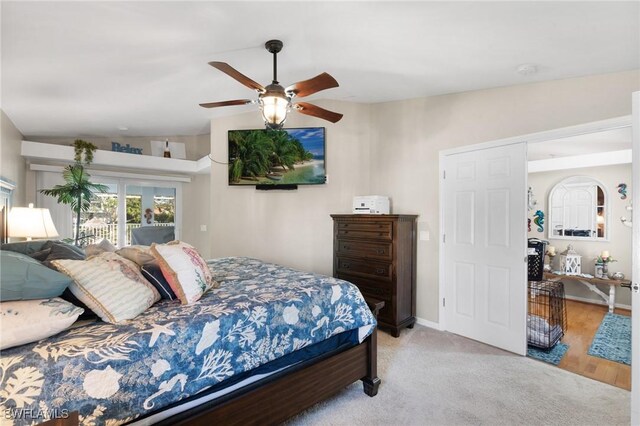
(547, 319)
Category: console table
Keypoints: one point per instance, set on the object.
(590, 283)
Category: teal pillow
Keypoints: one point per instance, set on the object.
(24, 278)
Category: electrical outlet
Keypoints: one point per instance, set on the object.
(424, 235)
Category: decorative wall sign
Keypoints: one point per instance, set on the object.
(115, 146)
(539, 220)
(622, 189)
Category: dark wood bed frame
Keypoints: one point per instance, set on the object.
(281, 396)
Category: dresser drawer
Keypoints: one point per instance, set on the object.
(364, 268)
(374, 230)
(365, 249)
(369, 288)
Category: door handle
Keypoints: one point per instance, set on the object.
(631, 286)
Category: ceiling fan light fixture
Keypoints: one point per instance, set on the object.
(274, 110)
(274, 100)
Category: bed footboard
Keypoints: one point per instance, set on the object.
(279, 397)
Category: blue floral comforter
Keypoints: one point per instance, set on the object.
(113, 374)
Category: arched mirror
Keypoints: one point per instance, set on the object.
(578, 210)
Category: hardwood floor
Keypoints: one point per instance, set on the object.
(583, 321)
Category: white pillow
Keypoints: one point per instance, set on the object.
(110, 285)
(184, 269)
(26, 321)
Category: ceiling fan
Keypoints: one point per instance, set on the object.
(275, 101)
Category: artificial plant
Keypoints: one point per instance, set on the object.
(77, 190)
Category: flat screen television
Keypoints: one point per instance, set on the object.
(277, 157)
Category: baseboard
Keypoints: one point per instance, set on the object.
(595, 302)
(428, 323)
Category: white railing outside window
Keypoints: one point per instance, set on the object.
(94, 234)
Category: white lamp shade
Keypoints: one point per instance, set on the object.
(29, 222)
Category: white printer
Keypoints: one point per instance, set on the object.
(371, 204)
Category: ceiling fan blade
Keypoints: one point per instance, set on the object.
(226, 103)
(237, 75)
(313, 85)
(316, 111)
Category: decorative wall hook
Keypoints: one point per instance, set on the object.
(627, 222)
(531, 202)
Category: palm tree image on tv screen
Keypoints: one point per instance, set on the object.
(277, 157)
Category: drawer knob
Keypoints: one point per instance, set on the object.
(380, 251)
(346, 265)
(380, 271)
(346, 247)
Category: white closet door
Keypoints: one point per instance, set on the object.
(485, 245)
(635, 260)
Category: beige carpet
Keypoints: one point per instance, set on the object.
(435, 378)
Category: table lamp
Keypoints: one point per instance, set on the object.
(29, 223)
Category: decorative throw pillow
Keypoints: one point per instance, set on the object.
(153, 274)
(104, 246)
(59, 250)
(184, 269)
(141, 255)
(36, 247)
(110, 285)
(24, 278)
(27, 321)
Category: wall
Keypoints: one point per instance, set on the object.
(292, 228)
(196, 213)
(12, 166)
(406, 138)
(619, 244)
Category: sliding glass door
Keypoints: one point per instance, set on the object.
(128, 203)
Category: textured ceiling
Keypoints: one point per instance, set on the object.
(74, 68)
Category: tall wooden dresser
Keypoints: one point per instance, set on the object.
(378, 254)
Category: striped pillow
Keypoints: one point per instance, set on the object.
(184, 269)
(110, 286)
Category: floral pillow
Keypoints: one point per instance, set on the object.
(184, 269)
(110, 285)
(26, 321)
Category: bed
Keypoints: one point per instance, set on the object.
(267, 344)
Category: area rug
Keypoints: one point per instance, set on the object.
(613, 339)
(552, 356)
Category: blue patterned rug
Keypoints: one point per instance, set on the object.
(552, 356)
(613, 339)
